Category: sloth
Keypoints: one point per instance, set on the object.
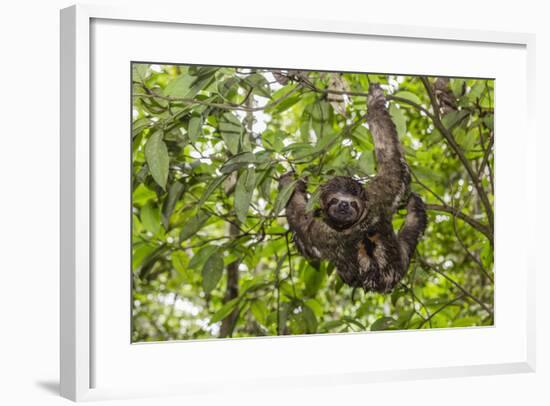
(354, 229)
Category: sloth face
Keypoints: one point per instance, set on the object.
(342, 202)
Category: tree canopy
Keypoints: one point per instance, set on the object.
(211, 252)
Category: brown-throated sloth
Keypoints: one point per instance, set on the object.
(355, 230)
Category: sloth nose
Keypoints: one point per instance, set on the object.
(343, 205)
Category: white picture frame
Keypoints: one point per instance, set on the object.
(78, 345)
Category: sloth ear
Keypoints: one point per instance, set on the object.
(322, 202)
(322, 197)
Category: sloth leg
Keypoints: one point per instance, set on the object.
(384, 257)
(380, 260)
(415, 224)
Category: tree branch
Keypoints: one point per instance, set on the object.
(458, 151)
(474, 223)
(226, 106)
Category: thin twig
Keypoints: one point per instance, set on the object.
(458, 151)
(485, 161)
(428, 189)
(456, 284)
(465, 248)
(443, 307)
(289, 256)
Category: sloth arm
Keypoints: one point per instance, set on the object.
(310, 233)
(390, 186)
(384, 255)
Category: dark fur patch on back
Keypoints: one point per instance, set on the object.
(369, 246)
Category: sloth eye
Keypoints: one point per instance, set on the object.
(333, 201)
(354, 205)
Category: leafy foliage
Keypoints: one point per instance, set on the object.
(211, 252)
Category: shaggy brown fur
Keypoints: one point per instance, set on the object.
(355, 231)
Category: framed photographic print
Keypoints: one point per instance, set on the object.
(291, 216)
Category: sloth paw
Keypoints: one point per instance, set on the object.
(288, 178)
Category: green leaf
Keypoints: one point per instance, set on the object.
(150, 217)
(198, 260)
(140, 252)
(225, 310)
(476, 90)
(313, 200)
(243, 193)
(362, 138)
(320, 110)
(457, 87)
(273, 140)
(259, 83)
(265, 185)
(283, 316)
(231, 120)
(488, 120)
(136, 225)
(142, 194)
(384, 323)
(320, 114)
(175, 191)
(452, 118)
(487, 255)
(139, 125)
(466, 321)
(354, 322)
(282, 197)
(396, 294)
(325, 142)
(212, 271)
(180, 264)
(195, 127)
(228, 87)
(283, 105)
(329, 325)
(156, 154)
(467, 140)
(300, 150)
(260, 311)
(201, 83)
(231, 129)
(180, 86)
(309, 319)
(202, 71)
(214, 183)
(313, 279)
(315, 306)
(140, 71)
(409, 96)
(366, 163)
(193, 225)
(399, 119)
(426, 175)
(238, 161)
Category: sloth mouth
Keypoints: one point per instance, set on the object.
(343, 218)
